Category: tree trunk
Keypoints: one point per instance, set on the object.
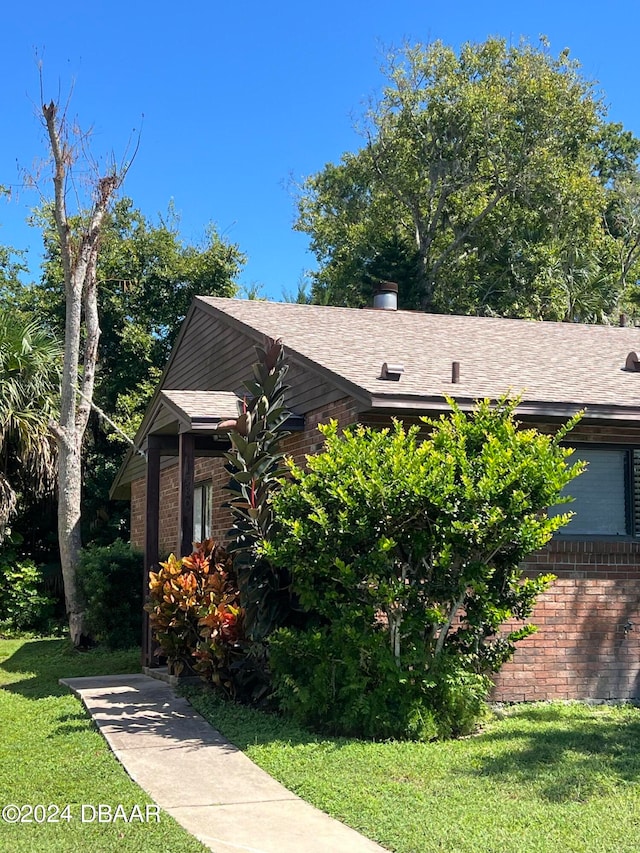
(69, 512)
(444, 631)
(79, 254)
(74, 416)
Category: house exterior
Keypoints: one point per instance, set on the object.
(369, 366)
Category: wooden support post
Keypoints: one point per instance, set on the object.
(151, 541)
(186, 476)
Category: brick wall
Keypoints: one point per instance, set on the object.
(206, 469)
(299, 444)
(588, 642)
(138, 507)
(296, 445)
(168, 525)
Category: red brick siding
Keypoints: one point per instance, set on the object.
(301, 444)
(205, 469)
(588, 432)
(581, 649)
(138, 509)
(168, 526)
(213, 469)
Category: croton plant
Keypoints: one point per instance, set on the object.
(195, 614)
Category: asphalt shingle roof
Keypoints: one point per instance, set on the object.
(544, 362)
(203, 405)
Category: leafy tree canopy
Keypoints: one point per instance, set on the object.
(147, 279)
(490, 182)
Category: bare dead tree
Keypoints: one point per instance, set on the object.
(79, 236)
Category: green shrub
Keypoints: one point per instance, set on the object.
(24, 607)
(110, 578)
(405, 554)
(340, 679)
(457, 694)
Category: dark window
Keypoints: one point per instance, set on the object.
(606, 496)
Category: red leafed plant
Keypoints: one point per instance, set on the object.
(195, 614)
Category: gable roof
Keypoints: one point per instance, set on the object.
(553, 366)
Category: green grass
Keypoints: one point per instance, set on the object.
(540, 779)
(551, 777)
(50, 752)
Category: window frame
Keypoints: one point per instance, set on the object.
(205, 518)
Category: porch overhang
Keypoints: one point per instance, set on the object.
(207, 416)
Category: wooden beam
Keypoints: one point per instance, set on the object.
(186, 479)
(205, 445)
(151, 543)
(213, 443)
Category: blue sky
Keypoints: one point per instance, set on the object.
(240, 99)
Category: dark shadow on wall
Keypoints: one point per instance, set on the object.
(588, 640)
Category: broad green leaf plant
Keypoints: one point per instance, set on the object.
(256, 466)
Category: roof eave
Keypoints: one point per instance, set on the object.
(604, 413)
(120, 489)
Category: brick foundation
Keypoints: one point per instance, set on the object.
(584, 647)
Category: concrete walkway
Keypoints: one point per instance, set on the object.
(200, 779)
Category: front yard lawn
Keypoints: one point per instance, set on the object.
(547, 778)
(51, 753)
(538, 779)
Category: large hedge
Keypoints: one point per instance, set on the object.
(405, 555)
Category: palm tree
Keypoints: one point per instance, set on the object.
(30, 360)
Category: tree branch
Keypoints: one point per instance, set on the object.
(447, 627)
